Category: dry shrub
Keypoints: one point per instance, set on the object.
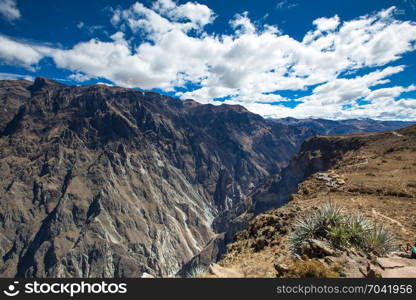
(311, 268)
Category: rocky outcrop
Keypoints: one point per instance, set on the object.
(317, 154)
(221, 272)
(321, 153)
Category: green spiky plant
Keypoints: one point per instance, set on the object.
(379, 240)
(340, 230)
(358, 227)
(195, 272)
(315, 225)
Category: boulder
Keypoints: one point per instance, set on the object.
(147, 275)
(317, 248)
(391, 262)
(404, 272)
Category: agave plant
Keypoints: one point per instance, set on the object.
(330, 215)
(317, 225)
(304, 229)
(340, 230)
(358, 228)
(339, 236)
(380, 241)
(196, 271)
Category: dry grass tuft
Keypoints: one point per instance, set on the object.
(311, 268)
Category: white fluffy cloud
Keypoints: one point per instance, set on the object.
(164, 16)
(168, 47)
(385, 94)
(19, 53)
(342, 91)
(327, 24)
(9, 10)
(338, 99)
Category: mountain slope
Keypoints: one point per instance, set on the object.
(101, 181)
(331, 127)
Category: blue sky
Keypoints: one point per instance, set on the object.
(321, 59)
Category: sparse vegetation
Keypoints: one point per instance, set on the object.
(379, 240)
(197, 272)
(311, 268)
(342, 231)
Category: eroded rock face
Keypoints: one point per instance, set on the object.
(101, 181)
(316, 154)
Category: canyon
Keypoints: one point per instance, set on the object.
(101, 181)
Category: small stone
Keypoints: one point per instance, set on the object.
(147, 275)
(259, 244)
(369, 272)
(328, 260)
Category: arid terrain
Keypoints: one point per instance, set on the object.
(373, 175)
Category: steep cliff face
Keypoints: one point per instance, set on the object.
(316, 154)
(101, 181)
(324, 152)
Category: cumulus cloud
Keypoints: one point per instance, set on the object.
(342, 91)
(9, 10)
(167, 46)
(327, 100)
(164, 16)
(385, 94)
(327, 24)
(242, 24)
(19, 53)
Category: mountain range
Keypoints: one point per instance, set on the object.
(100, 181)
